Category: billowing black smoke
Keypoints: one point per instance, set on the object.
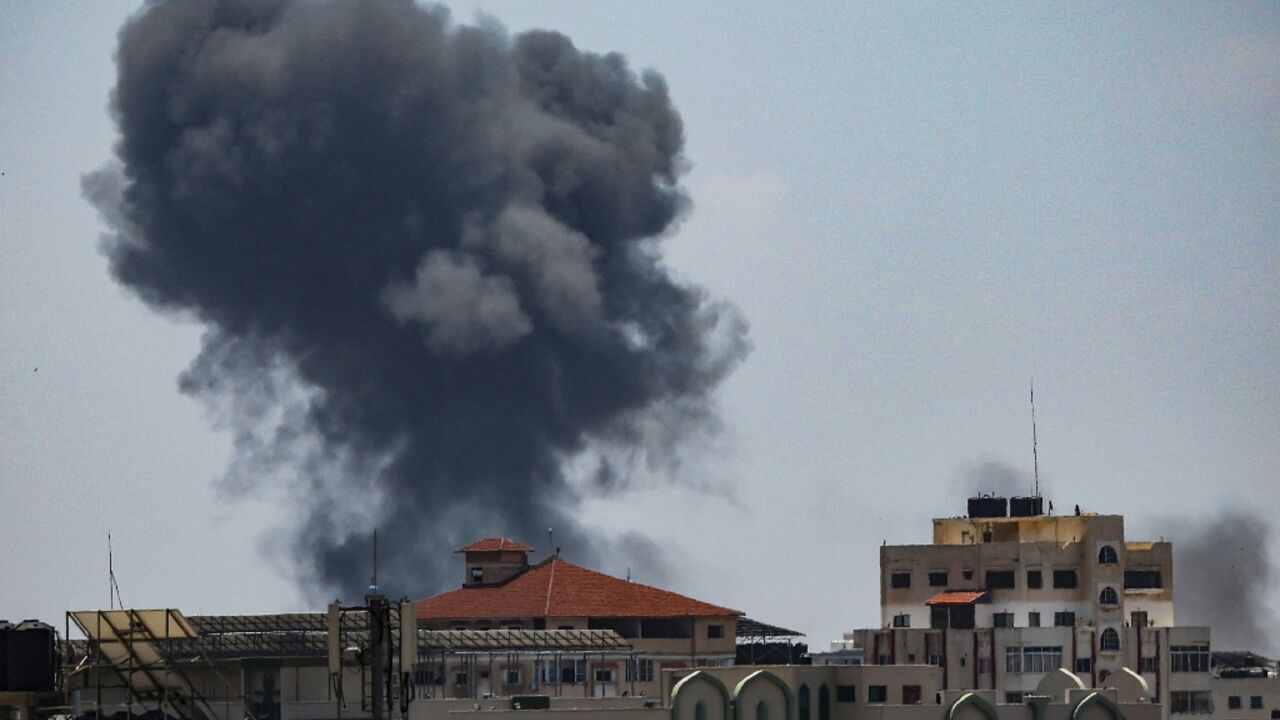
(1224, 577)
(428, 260)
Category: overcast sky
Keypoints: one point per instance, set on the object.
(918, 208)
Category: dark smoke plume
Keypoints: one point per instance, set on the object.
(428, 260)
(993, 477)
(1224, 577)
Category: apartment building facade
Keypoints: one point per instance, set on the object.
(998, 600)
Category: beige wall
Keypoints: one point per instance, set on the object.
(1266, 688)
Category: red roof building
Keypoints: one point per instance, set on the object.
(502, 590)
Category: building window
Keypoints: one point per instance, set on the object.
(762, 711)
(1255, 702)
(1084, 665)
(640, 670)
(1110, 640)
(935, 659)
(1033, 619)
(1107, 556)
(715, 631)
(1275, 715)
(1138, 618)
(604, 675)
(1064, 618)
(1064, 578)
(900, 580)
(579, 671)
(1142, 580)
(877, 693)
(1032, 658)
(1233, 702)
(1013, 697)
(902, 621)
(1000, 579)
(911, 695)
(460, 678)
(824, 703)
(1189, 658)
(984, 665)
(802, 701)
(1002, 619)
(1190, 702)
(1148, 665)
(477, 574)
(938, 578)
(846, 693)
(1108, 596)
(967, 574)
(512, 676)
(1035, 580)
(700, 711)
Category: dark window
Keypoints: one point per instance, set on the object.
(968, 574)
(715, 631)
(1002, 619)
(1275, 715)
(961, 617)
(877, 693)
(1107, 556)
(1148, 664)
(1196, 702)
(1013, 697)
(1034, 579)
(1233, 702)
(1084, 665)
(824, 703)
(938, 616)
(477, 574)
(680, 628)
(1142, 580)
(1064, 578)
(1000, 579)
(1110, 640)
(938, 578)
(902, 621)
(802, 700)
(911, 695)
(1033, 619)
(1108, 596)
(1138, 618)
(1255, 702)
(846, 693)
(900, 580)
(1064, 618)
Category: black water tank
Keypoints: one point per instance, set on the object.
(1026, 506)
(5, 628)
(32, 657)
(982, 507)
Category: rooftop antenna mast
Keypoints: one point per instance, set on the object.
(373, 583)
(113, 590)
(1035, 456)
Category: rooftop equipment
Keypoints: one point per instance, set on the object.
(1026, 506)
(31, 657)
(987, 507)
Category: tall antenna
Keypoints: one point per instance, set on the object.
(113, 590)
(1035, 455)
(373, 584)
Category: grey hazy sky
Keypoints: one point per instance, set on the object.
(917, 208)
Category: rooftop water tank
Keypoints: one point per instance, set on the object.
(32, 657)
(1026, 506)
(985, 507)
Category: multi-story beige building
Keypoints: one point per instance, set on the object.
(997, 601)
(1245, 687)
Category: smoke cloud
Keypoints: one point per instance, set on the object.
(428, 258)
(1225, 577)
(993, 477)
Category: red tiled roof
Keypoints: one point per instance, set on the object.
(556, 588)
(957, 597)
(495, 544)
